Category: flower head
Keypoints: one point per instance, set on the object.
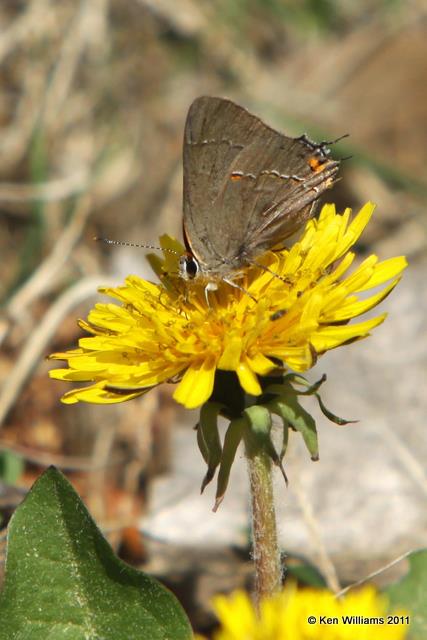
(291, 307)
(285, 616)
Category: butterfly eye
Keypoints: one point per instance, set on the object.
(188, 266)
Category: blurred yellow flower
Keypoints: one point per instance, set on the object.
(285, 616)
(168, 332)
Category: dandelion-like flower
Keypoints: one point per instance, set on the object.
(290, 308)
(285, 616)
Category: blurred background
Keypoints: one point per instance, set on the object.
(93, 99)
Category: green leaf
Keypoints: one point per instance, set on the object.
(331, 416)
(306, 574)
(285, 440)
(278, 385)
(232, 440)
(63, 580)
(310, 388)
(259, 419)
(410, 593)
(208, 439)
(289, 409)
(258, 436)
(285, 388)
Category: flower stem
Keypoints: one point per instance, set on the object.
(266, 553)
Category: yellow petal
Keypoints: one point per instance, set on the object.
(353, 307)
(196, 385)
(332, 336)
(260, 364)
(70, 375)
(97, 395)
(384, 271)
(230, 358)
(355, 228)
(248, 379)
(298, 358)
(360, 276)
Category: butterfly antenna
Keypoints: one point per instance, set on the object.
(329, 143)
(345, 135)
(273, 273)
(124, 243)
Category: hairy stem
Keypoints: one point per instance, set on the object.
(266, 553)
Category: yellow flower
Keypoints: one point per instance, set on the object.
(285, 616)
(170, 332)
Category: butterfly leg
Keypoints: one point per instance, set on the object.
(211, 286)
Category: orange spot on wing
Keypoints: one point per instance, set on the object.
(316, 164)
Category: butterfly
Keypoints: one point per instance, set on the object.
(247, 187)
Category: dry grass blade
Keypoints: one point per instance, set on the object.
(37, 342)
(45, 277)
(52, 190)
(80, 34)
(378, 572)
(414, 468)
(325, 563)
(38, 19)
(64, 462)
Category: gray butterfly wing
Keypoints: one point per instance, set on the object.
(246, 186)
